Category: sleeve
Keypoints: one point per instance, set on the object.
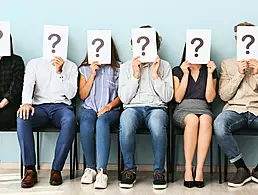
(164, 86)
(228, 84)
(215, 74)
(177, 72)
(254, 84)
(69, 82)
(128, 85)
(15, 88)
(29, 83)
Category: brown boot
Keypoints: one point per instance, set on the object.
(30, 179)
(55, 178)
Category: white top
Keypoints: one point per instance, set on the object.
(43, 85)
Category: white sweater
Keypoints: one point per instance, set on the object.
(43, 85)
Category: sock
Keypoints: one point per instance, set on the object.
(31, 167)
(241, 164)
(256, 168)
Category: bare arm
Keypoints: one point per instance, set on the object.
(85, 86)
(210, 93)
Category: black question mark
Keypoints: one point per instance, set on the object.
(199, 46)
(56, 42)
(1, 34)
(250, 43)
(100, 46)
(147, 41)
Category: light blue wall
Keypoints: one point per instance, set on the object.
(171, 18)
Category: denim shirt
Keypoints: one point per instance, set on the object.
(104, 89)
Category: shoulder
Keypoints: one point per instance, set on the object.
(228, 62)
(126, 65)
(176, 70)
(17, 58)
(34, 62)
(70, 64)
(165, 64)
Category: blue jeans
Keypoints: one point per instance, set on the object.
(228, 122)
(89, 121)
(135, 118)
(59, 115)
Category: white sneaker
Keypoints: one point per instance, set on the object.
(101, 180)
(89, 176)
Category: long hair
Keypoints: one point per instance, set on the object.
(183, 56)
(114, 57)
(11, 45)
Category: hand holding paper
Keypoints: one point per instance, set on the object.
(136, 67)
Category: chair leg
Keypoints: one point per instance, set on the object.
(226, 169)
(21, 168)
(71, 163)
(84, 163)
(211, 157)
(219, 159)
(118, 160)
(173, 156)
(76, 153)
(38, 163)
(168, 158)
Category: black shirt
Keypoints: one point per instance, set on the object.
(195, 90)
(11, 79)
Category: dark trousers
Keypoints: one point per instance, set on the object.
(8, 117)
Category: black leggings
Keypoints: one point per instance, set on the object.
(8, 117)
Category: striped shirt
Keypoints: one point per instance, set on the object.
(104, 89)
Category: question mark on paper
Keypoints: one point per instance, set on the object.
(199, 46)
(147, 41)
(100, 46)
(1, 34)
(250, 43)
(56, 42)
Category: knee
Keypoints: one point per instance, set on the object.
(220, 126)
(102, 123)
(191, 120)
(127, 119)
(157, 128)
(206, 121)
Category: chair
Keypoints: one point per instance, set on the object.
(242, 132)
(47, 129)
(146, 131)
(175, 131)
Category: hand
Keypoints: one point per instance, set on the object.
(25, 110)
(211, 67)
(3, 103)
(184, 67)
(155, 68)
(94, 67)
(104, 109)
(58, 62)
(242, 66)
(136, 67)
(253, 64)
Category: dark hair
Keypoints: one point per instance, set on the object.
(114, 57)
(158, 38)
(11, 44)
(183, 56)
(242, 24)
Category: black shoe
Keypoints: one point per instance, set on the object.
(255, 176)
(159, 181)
(55, 178)
(189, 184)
(242, 176)
(199, 184)
(128, 179)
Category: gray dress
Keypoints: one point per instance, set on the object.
(194, 101)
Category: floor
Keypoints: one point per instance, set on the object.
(10, 185)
